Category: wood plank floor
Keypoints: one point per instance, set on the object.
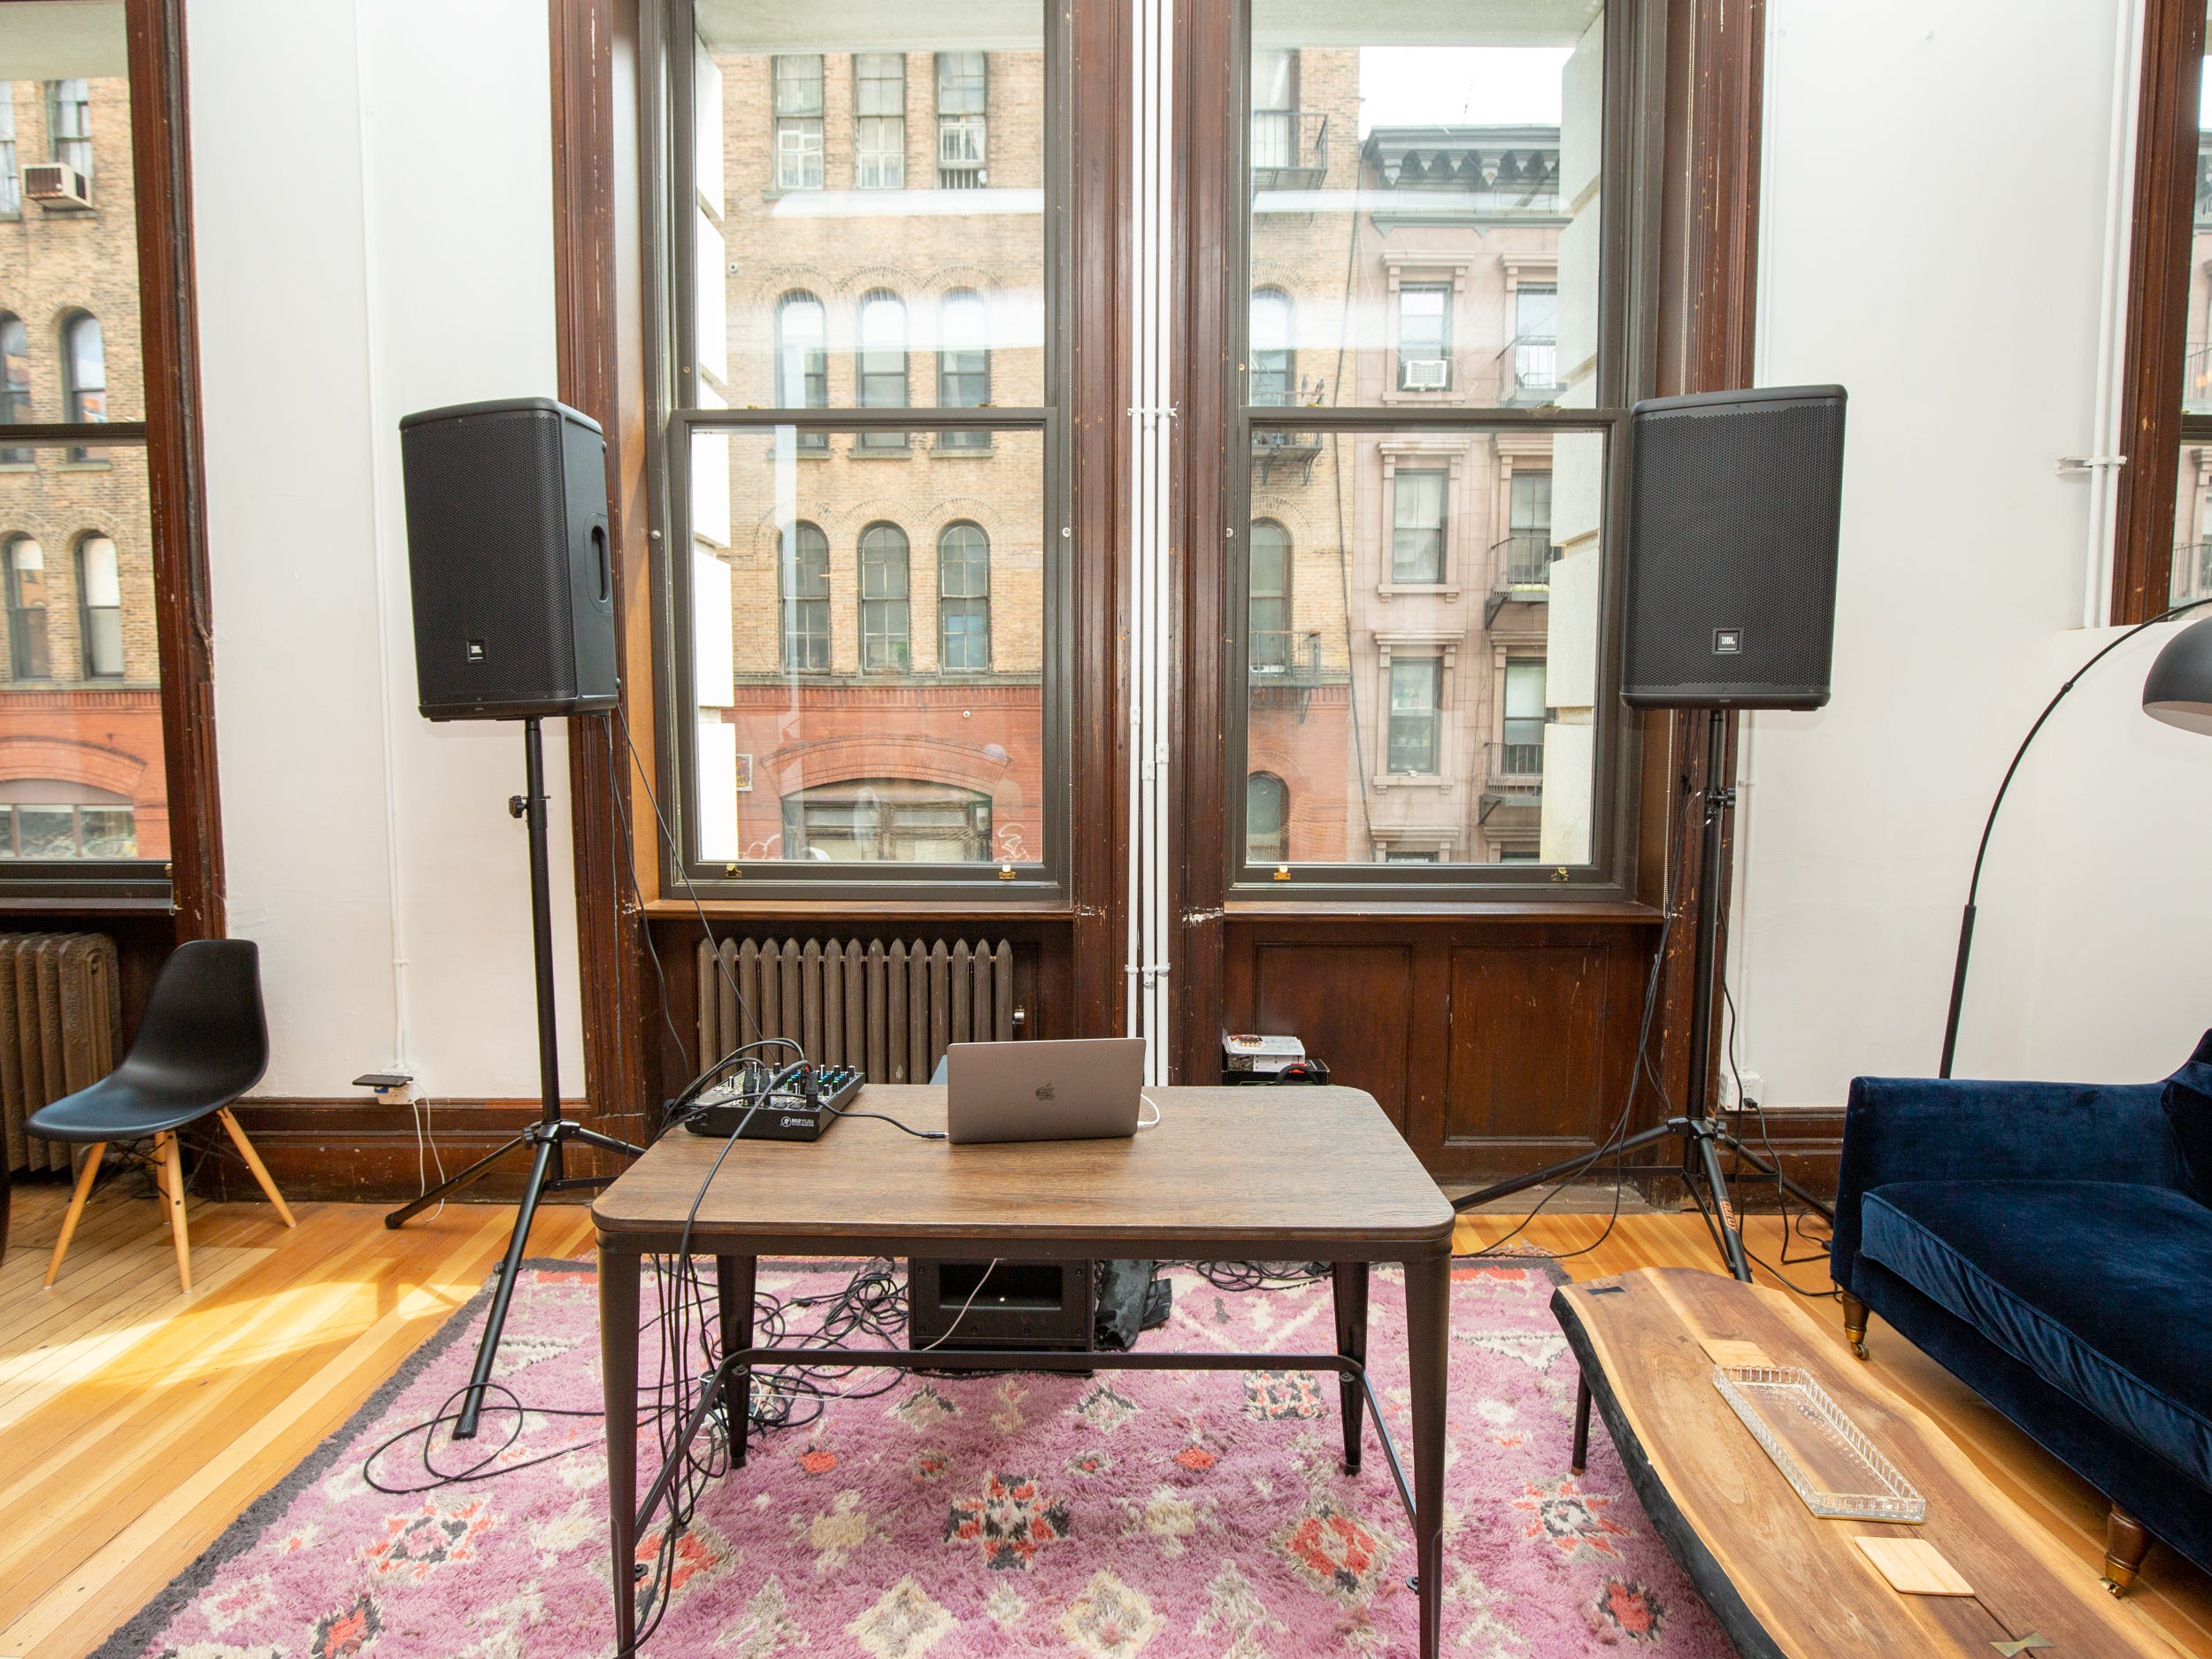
(136, 1423)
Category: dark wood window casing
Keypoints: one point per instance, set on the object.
(2156, 416)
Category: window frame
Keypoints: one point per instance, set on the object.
(963, 599)
(12, 601)
(947, 303)
(188, 887)
(1043, 883)
(790, 566)
(1630, 308)
(82, 571)
(863, 156)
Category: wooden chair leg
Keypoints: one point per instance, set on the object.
(2126, 1542)
(89, 1174)
(172, 1165)
(253, 1162)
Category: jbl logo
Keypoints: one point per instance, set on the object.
(474, 651)
(1727, 641)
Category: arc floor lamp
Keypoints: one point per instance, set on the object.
(2177, 690)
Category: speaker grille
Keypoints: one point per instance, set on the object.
(488, 552)
(1733, 544)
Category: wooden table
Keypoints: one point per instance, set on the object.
(1274, 1174)
(1782, 1580)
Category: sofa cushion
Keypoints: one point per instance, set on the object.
(2097, 1286)
(2187, 1100)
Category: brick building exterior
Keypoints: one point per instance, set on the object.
(81, 770)
(870, 229)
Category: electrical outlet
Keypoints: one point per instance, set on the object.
(393, 1088)
(1755, 1089)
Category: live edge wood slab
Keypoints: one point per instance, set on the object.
(1781, 1580)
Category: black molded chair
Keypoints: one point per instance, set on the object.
(204, 1043)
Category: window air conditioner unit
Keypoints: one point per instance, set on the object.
(57, 185)
(1427, 375)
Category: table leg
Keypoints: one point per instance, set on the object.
(734, 1278)
(1349, 1279)
(1428, 1340)
(1580, 1461)
(619, 1272)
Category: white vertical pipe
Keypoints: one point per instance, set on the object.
(1137, 659)
(2106, 437)
(1164, 587)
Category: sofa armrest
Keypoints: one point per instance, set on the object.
(1947, 1129)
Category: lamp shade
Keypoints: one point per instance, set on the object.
(2178, 688)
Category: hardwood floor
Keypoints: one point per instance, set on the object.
(135, 1423)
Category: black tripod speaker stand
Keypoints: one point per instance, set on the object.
(551, 1132)
(1703, 1135)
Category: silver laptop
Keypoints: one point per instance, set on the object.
(1087, 1089)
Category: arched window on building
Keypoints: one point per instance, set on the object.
(1268, 598)
(1271, 352)
(882, 362)
(84, 376)
(964, 363)
(803, 585)
(23, 564)
(60, 818)
(99, 608)
(15, 383)
(887, 820)
(964, 597)
(1266, 819)
(885, 641)
(802, 359)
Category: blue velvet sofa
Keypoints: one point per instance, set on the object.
(2049, 1244)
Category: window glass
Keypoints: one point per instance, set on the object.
(1455, 151)
(964, 597)
(880, 363)
(897, 715)
(964, 363)
(782, 128)
(1424, 604)
(879, 121)
(2190, 573)
(1423, 650)
(1266, 818)
(76, 533)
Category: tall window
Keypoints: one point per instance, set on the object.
(1274, 110)
(882, 364)
(1417, 689)
(1528, 538)
(797, 96)
(964, 598)
(26, 572)
(1417, 536)
(963, 95)
(1266, 819)
(879, 121)
(15, 382)
(1424, 337)
(964, 363)
(897, 394)
(69, 123)
(1270, 598)
(802, 584)
(1271, 357)
(99, 608)
(85, 366)
(11, 165)
(1524, 754)
(802, 360)
(886, 635)
(1535, 343)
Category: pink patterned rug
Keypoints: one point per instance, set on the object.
(1171, 1514)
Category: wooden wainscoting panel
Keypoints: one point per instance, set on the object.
(1351, 1005)
(1525, 1025)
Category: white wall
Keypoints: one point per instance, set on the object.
(1935, 192)
(373, 218)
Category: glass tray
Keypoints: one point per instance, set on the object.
(1833, 1466)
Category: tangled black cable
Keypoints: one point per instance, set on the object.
(1241, 1276)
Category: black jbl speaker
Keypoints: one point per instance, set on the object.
(1734, 501)
(507, 553)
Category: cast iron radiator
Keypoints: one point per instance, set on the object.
(889, 1009)
(61, 1030)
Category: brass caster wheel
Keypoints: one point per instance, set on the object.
(1859, 1350)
